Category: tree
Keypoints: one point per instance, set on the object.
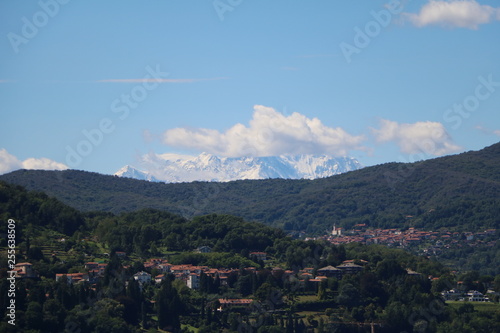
(465, 308)
(244, 285)
(321, 290)
(264, 292)
(348, 295)
(53, 316)
(107, 315)
(35, 253)
(34, 316)
(396, 317)
(168, 306)
(389, 269)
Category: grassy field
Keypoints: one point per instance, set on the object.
(478, 306)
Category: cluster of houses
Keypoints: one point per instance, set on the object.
(94, 270)
(395, 237)
(188, 273)
(191, 274)
(347, 267)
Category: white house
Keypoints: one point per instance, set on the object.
(142, 277)
(193, 281)
(476, 296)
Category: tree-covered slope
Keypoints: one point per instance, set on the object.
(37, 209)
(454, 191)
(284, 297)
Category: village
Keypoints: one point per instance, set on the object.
(308, 279)
(428, 242)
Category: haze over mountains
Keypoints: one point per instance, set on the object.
(172, 168)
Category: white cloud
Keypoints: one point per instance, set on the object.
(454, 14)
(269, 133)
(43, 164)
(10, 163)
(421, 137)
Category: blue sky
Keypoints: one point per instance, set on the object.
(95, 85)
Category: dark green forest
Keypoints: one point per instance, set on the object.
(460, 192)
(58, 239)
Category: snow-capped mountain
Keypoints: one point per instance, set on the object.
(131, 172)
(172, 168)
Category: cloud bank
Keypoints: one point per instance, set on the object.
(454, 14)
(269, 133)
(427, 137)
(10, 163)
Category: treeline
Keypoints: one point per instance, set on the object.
(146, 230)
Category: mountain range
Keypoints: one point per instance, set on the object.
(460, 192)
(172, 168)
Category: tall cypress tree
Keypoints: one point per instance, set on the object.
(168, 307)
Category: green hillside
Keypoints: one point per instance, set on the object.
(460, 191)
(55, 239)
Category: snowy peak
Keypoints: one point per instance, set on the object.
(131, 172)
(173, 168)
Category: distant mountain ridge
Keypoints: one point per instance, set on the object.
(457, 191)
(173, 168)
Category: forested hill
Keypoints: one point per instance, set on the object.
(461, 191)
